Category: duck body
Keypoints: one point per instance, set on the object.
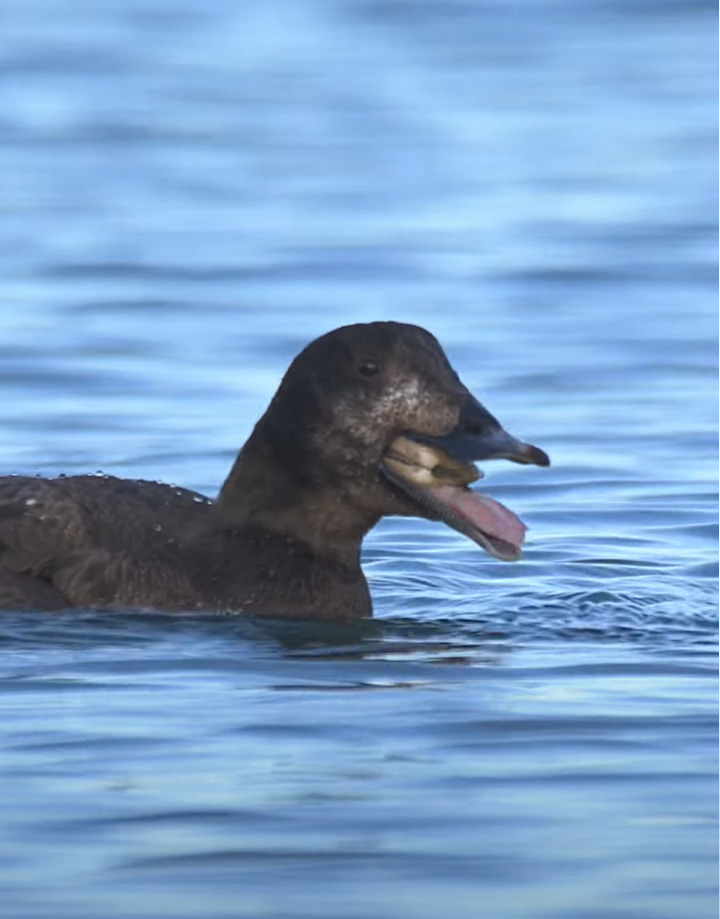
(370, 420)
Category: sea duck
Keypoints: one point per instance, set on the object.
(369, 421)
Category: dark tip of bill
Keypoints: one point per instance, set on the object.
(536, 456)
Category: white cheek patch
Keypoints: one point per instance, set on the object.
(402, 401)
(405, 397)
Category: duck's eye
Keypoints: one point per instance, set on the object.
(368, 368)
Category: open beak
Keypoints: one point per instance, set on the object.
(434, 471)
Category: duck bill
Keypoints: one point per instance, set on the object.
(435, 472)
(478, 435)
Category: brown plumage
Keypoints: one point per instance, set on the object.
(284, 535)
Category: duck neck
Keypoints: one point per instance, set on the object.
(291, 501)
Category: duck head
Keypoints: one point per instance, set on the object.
(375, 415)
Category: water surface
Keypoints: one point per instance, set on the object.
(190, 193)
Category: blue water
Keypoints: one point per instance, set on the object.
(190, 192)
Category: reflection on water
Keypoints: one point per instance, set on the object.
(190, 193)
